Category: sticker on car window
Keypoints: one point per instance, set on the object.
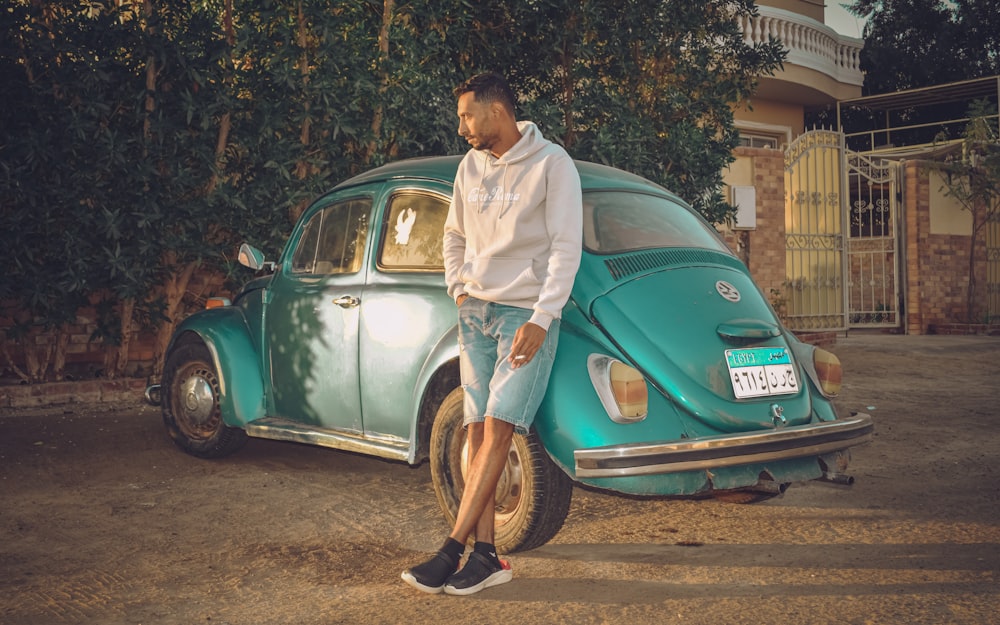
(404, 225)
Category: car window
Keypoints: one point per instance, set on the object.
(618, 221)
(305, 252)
(333, 241)
(413, 231)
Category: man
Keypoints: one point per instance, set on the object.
(512, 244)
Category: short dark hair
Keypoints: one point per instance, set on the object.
(489, 87)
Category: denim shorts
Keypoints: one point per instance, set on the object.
(492, 387)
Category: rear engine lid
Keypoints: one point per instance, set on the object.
(705, 336)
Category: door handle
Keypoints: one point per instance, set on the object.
(347, 301)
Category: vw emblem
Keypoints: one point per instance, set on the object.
(727, 291)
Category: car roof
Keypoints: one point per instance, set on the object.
(443, 168)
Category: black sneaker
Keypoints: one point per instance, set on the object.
(478, 573)
(431, 575)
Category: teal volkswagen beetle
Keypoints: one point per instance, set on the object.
(673, 376)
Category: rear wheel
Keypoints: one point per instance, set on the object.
(533, 494)
(191, 411)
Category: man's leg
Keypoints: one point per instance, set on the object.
(484, 528)
(478, 508)
(478, 357)
(475, 513)
(489, 445)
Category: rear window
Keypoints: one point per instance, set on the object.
(618, 221)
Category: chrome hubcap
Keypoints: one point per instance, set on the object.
(198, 399)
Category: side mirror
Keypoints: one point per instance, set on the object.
(253, 258)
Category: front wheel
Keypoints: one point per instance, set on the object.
(190, 398)
(533, 494)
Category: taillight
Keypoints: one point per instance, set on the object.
(622, 388)
(829, 373)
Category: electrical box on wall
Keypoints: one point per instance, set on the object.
(745, 201)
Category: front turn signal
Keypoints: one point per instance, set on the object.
(217, 302)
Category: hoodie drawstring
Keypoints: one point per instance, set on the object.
(506, 199)
(505, 205)
(482, 183)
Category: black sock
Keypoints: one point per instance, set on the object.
(453, 549)
(488, 550)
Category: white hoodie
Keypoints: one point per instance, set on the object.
(514, 229)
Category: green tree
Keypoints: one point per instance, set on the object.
(143, 141)
(978, 24)
(62, 144)
(909, 44)
(106, 156)
(920, 43)
(645, 85)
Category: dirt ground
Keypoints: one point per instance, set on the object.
(104, 521)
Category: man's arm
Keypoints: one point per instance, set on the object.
(564, 221)
(454, 242)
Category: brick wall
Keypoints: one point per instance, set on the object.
(767, 242)
(85, 354)
(937, 265)
(763, 248)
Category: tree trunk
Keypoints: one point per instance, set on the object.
(128, 308)
(147, 12)
(173, 291)
(378, 115)
(302, 170)
(25, 373)
(59, 353)
(225, 122)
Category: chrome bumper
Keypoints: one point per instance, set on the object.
(153, 395)
(723, 451)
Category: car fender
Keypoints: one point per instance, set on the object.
(224, 332)
(571, 415)
(438, 376)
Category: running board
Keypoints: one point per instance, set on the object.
(283, 430)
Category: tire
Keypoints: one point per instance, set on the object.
(190, 397)
(533, 494)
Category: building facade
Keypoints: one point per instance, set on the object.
(841, 239)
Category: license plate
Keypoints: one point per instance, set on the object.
(761, 372)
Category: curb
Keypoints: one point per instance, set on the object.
(76, 392)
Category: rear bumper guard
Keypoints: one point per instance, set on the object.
(723, 451)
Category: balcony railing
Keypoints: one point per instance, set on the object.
(810, 44)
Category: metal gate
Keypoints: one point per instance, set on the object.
(993, 269)
(813, 292)
(872, 247)
(841, 248)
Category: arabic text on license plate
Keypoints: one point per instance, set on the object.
(761, 372)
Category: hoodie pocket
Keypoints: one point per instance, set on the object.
(503, 278)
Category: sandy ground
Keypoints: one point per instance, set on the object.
(104, 521)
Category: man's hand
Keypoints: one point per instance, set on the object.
(527, 341)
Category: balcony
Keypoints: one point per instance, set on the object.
(822, 65)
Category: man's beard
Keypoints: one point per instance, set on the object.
(483, 144)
